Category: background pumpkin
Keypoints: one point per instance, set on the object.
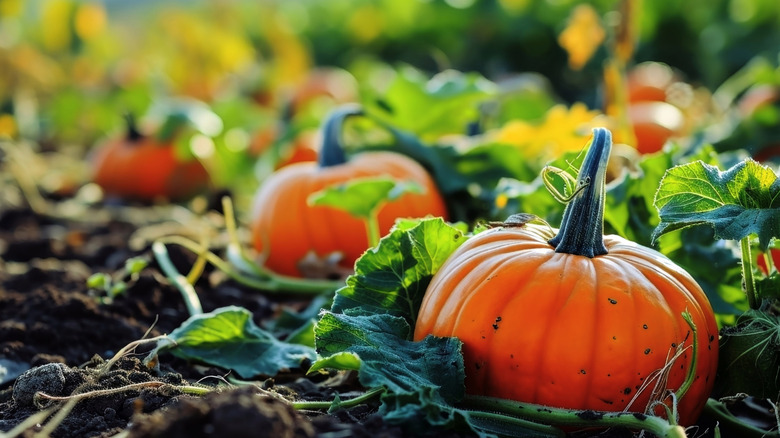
(285, 228)
(573, 320)
(143, 167)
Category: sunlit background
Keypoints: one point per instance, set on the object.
(70, 69)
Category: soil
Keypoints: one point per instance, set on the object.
(57, 336)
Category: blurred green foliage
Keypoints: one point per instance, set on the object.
(75, 64)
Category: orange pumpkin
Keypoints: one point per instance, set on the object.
(142, 167)
(570, 318)
(654, 123)
(285, 228)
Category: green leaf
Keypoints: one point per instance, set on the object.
(751, 345)
(738, 202)
(228, 338)
(389, 359)
(362, 197)
(99, 280)
(339, 361)
(769, 287)
(392, 277)
(431, 107)
(135, 265)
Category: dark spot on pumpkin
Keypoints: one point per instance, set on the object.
(590, 415)
(640, 416)
(712, 338)
(609, 375)
(611, 301)
(609, 402)
(483, 337)
(511, 356)
(709, 347)
(644, 326)
(477, 365)
(614, 338)
(495, 325)
(582, 372)
(674, 345)
(647, 351)
(627, 391)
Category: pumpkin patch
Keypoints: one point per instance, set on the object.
(389, 218)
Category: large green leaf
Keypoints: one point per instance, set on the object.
(362, 197)
(392, 277)
(431, 107)
(424, 380)
(738, 202)
(228, 338)
(389, 359)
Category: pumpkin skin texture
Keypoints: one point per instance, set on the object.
(562, 329)
(285, 228)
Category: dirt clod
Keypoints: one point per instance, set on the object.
(49, 378)
(233, 413)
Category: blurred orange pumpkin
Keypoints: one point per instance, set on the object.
(286, 229)
(141, 167)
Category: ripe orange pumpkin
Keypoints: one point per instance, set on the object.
(654, 123)
(570, 318)
(285, 228)
(143, 167)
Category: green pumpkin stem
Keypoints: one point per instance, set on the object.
(582, 227)
(133, 134)
(332, 151)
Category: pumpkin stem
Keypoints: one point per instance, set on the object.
(332, 151)
(582, 227)
(133, 134)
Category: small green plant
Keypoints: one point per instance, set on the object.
(113, 285)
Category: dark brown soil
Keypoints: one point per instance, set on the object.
(58, 334)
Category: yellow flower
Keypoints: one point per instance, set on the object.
(582, 36)
(563, 129)
(7, 126)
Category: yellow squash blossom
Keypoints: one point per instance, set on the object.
(582, 36)
(562, 130)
